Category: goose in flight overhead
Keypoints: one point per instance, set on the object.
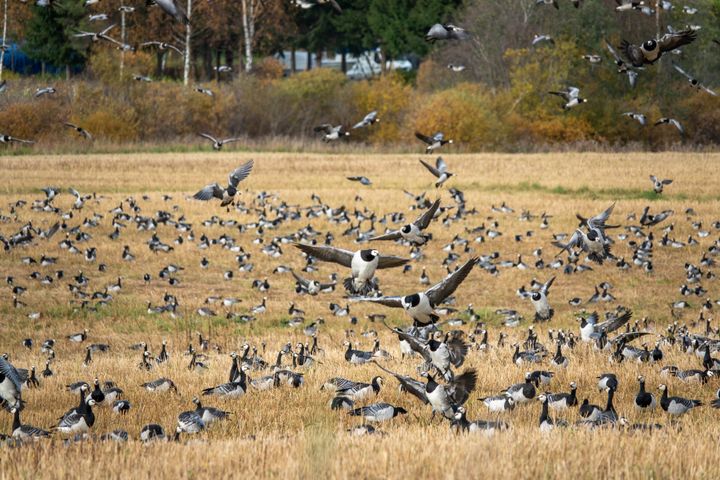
(227, 195)
(421, 306)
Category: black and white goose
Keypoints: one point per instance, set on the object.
(658, 185)
(650, 51)
(539, 299)
(499, 403)
(356, 357)
(368, 120)
(671, 121)
(644, 400)
(171, 8)
(121, 407)
(160, 385)
(378, 412)
(209, 415)
(421, 306)
(359, 391)
(559, 360)
(521, 392)
(589, 411)
(462, 424)
(151, 433)
(362, 263)
(311, 287)
(10, 139)
(10, 384)
(227, 194)
(80, 130)
(439, 171)
(676, 406)
(694, 81)
(78, 337)
(571, 97)
(79, 421)
(190, 422)
(446, 31)
(445, 399)
(330, 132)
(433, 143)
(23, 431)
(563, 401)
(230, 389)
(412, 232)
(218, 144)
(547, 424)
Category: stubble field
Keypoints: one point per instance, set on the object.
(292, 433)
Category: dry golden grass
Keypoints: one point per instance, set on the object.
(293, 433)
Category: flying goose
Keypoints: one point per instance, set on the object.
(227, 195)
(39, 92)
(368, 120)
(81, 131)
(658, 184)
(445, 399)
(10, 139)
(537, 39)
(539, 299)
(440, 170)
(676, 406)
(638, 117)
(693, 81)
(331, 132)
(361, 179)
(554, 3)
(311, 287)
(362, 263)
(218, 144)
(162, 46)
(455, 67)
(378, 412)
(94, 36)
(571, 96)
(650, 51)
(671, 121)
(447, 31)
(433, 143)
(305, 4)
(10, 384)
(171, 8)
(412, 232)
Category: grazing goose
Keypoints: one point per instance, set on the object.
(650, 51)
(362, 263)
(562, 401)
(227, 195)
(642, 427)
(499, 403)
(209, 415)
(589, 411)
(433, 143)
(356, 357)
(152, 432)
(676, 406)
(115, 436)
(644, 401)
(330, 132)
(521, 392)
(25, 432)
(231, 389)
(80, 421)
(121, 407)
(160, 385)
(217, 143)
(412, 232)
(447, 31)
(190, 422)
(421, 306)
(462, 425)
(607, 381)
(378, 412)
(369, 119)
(78, 337)
(547, 424)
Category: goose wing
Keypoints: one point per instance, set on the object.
(328, 254)
(439, 292)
